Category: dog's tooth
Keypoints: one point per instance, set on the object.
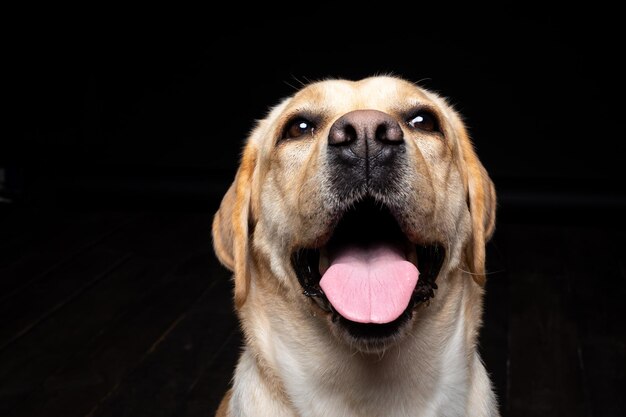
(324, 262)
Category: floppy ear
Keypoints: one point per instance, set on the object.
(481, 200)
(231, 226)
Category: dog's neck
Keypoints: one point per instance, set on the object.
(309, 373)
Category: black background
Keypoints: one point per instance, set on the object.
(126, 112)
(125, 108)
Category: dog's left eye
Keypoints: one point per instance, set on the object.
(298, 127)
(424, 120)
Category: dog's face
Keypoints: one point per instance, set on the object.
(353, 201)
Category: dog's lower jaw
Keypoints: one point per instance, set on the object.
(374, 344)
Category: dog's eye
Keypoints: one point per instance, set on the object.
(424, 120)
(298, 127)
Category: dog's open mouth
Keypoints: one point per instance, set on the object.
(369, 275)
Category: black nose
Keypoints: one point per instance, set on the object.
(365, 134)
(366, 150)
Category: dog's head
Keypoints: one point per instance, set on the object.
(353, 200)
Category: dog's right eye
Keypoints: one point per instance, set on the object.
(298, 128)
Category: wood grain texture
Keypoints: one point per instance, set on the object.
(129, 314)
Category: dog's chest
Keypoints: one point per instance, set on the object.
(354, 386)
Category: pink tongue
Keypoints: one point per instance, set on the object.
(370, 285)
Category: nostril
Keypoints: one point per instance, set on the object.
(351, 133)
(342, 134)
(389, 133)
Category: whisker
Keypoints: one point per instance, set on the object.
(294, 87)
(486, 273)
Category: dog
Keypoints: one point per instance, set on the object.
(355, 228)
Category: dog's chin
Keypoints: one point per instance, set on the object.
(368, 224)
(370, 338)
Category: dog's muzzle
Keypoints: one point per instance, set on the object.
(364, 269)
(369, 229)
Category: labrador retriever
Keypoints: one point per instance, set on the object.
(355, 228)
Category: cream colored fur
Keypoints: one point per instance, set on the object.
(294, 362)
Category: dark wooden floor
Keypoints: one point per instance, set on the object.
(127, 313)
